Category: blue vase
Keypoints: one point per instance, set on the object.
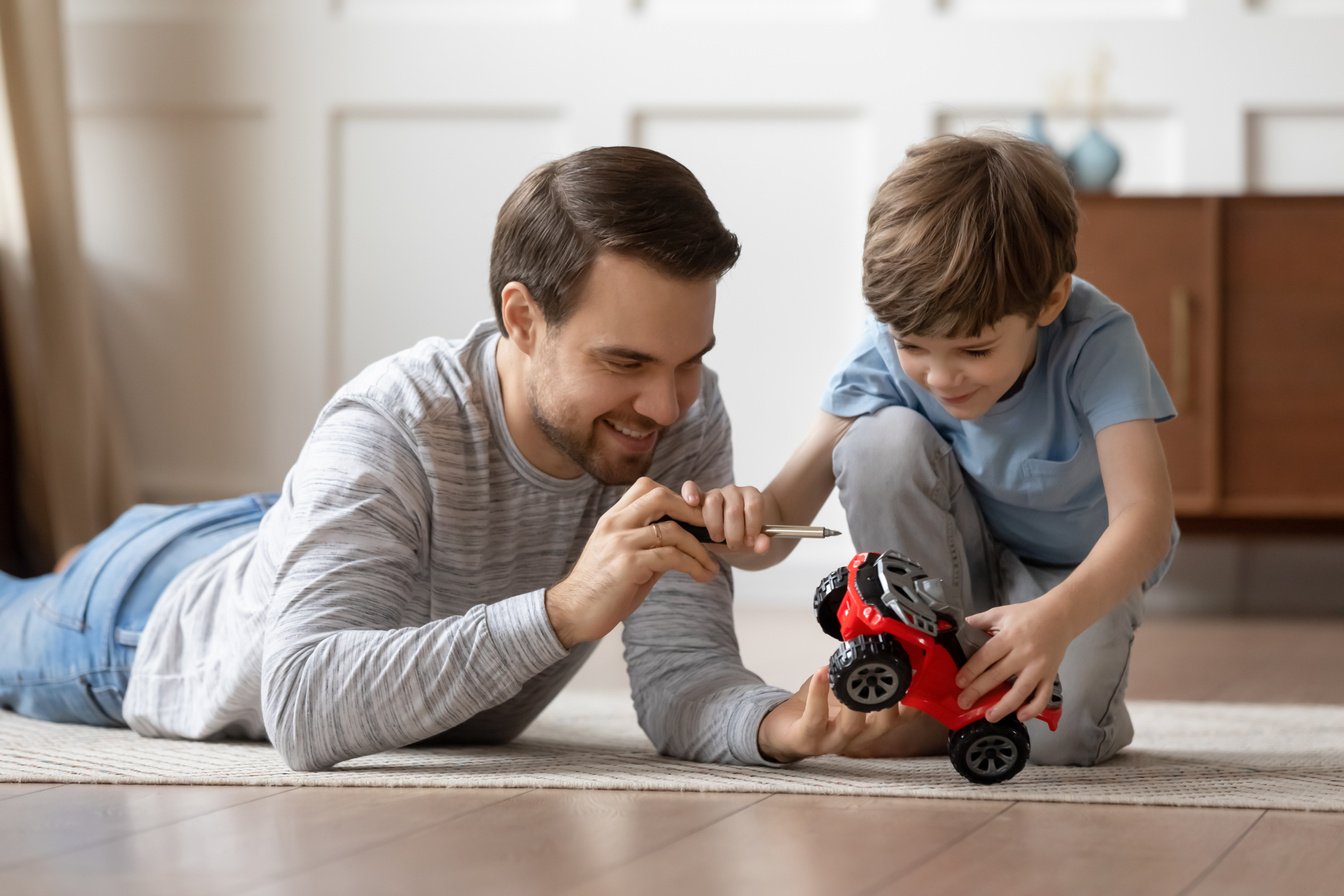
(1036, 130)
(1094, 162)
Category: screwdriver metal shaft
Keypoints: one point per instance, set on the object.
(774, 531)
(782, 531)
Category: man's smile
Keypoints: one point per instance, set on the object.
(635, 439)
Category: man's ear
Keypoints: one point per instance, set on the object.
(524, 324)
(1054, 305)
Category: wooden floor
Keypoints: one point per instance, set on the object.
(94, 839)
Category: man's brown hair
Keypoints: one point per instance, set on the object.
(967, 231)
(623, 199)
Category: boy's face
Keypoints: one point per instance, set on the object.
(968, 376)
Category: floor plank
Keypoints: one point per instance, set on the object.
(8, 791)
(1286, 852)
(59, 820)
(1081, 848)
(539, 843)
(270, 836)
(1239, 660)
(791, 844)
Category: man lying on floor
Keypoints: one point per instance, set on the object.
(465, 521)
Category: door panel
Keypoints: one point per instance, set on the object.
(1284, 310)
(1157, 258)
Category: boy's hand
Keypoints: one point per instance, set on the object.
(1028, 646)
(813, 723)
(734, 515)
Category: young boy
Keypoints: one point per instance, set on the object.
(996, 423)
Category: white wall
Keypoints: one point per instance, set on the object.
(276, 192)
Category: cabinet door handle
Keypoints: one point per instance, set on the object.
(1180, 349)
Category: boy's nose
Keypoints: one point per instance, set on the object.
(941, 376)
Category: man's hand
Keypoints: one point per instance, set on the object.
(1028, 646)
(813, 723)
(734, 515)
(623, 559)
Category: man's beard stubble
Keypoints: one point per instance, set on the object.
(582, 451)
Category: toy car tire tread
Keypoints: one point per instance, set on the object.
(826, 601)
(989, 752)
(870, 672)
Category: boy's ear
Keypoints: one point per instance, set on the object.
(1054, 305)
(524, 324)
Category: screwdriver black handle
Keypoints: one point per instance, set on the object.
(700, 532)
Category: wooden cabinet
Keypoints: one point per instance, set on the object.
(1240, 301)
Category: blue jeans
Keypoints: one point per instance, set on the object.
(67, 639)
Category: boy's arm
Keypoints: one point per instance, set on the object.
(735, 514)
(1030, 639)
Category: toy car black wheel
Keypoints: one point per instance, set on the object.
(989, 752)
(826, 602)
(870, 672)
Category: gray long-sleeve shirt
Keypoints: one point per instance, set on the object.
(395, 593)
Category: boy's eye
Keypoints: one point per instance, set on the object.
(978, 352)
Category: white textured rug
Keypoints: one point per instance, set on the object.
(1185, 754)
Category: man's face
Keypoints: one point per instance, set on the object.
(967, 376)
(623, 367)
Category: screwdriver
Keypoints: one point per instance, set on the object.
(774, 531)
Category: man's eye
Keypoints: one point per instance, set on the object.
(627, 366)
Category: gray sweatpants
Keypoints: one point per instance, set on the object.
(902, 489)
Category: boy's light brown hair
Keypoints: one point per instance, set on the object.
(967, 231)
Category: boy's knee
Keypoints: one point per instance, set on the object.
(891, 442)
(1081, 739)
(1095, 724)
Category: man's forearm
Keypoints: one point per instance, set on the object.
(332, 696)
(694, 698)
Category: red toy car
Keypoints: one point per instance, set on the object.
(902, 644)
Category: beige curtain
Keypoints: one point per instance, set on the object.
(71, 459)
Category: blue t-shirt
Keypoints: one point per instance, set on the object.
(1031, 460)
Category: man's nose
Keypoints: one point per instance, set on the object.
(659, 402)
